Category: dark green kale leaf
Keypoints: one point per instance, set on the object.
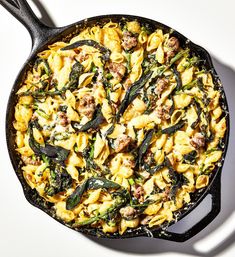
(174, 128)
(77, 70)
(56, 154)
(110, 213)
(145, 144)
(74, 199)
(97, 120)
(105, 51)
(63, 108)
(190, 157)
(132, 92)
(199, 111)
(154, 169)
(177, 78)
(59, 180)
(88, 155)
(91, 183)
(177, 179)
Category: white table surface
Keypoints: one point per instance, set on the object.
(26, 231)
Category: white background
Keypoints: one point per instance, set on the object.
(26, 231)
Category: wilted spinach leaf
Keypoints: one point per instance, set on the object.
(156, 168)
(199, 110)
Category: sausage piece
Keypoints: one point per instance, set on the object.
(118, 70)
(63, 119)
(161, 85)
(138, 193)
(173, 43)
(29, 161)
(128, 41)
(198, 141)
(87, 106)
(121, 143)
(163, 112)
(128, 212)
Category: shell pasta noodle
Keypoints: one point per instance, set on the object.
(118, 127)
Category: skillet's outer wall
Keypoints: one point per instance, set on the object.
(195, 29)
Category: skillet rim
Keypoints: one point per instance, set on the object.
(68, 32)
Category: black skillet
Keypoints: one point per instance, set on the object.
(42, 36)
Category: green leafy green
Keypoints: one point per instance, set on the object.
(199, 110)
(156, 168)
(41, 93)
(140, 207)
(177, 179)
(91, 183)
(131, 181)
(132, 92)
(189, 85)
(35, 124)
(76, 71)
(172, 106)
(190, 157)
(59, 180)
(174, 128)
(43, 65)
(100, 182)
(145, 144)
(97, 120)
(121, 198)
(178, 56)
(193, 61)
(63, 108)
(177, 78)
(105, 51)
(110, 130)
(88, 155)
(43, 114)
(57, 154)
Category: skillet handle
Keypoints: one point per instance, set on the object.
(21, 10)
(215, 192)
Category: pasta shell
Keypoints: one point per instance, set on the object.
(85, 79)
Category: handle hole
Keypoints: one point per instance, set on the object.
(35, 9)
(14, 3)
(194, 217)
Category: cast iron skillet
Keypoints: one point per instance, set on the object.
(43, 35)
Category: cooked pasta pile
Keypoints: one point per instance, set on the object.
(118, 127)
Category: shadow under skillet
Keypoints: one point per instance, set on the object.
(146, 246)
(150, 246)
